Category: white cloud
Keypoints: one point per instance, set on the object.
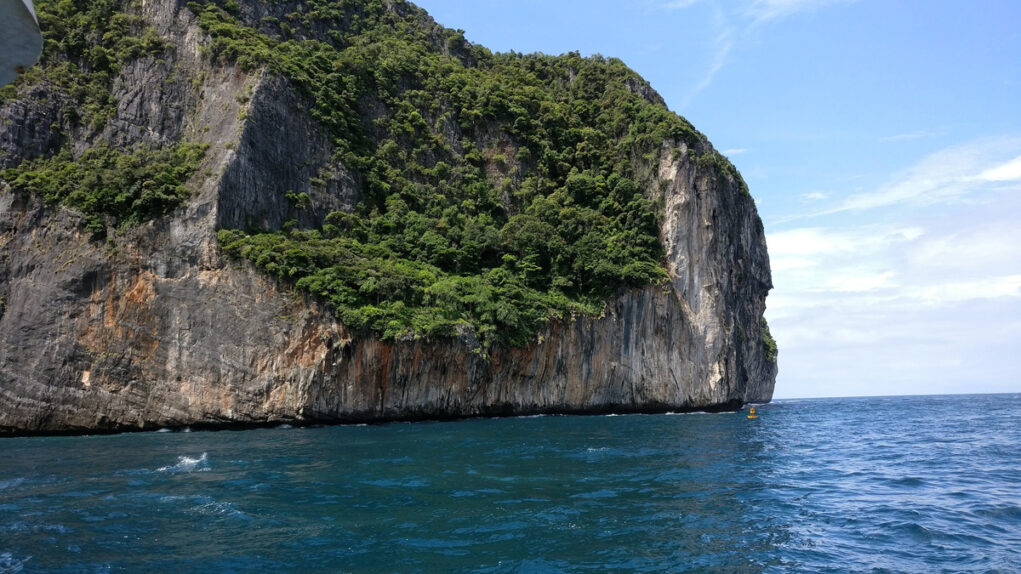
(734, 151)
(860, 282)
(786, 263)
(959, 291)
(722, 44)
(765, 10)
(874, 266)
(946, 176)
(814, 196)
(911, 136)
(879, 308)
(825, 242)
(678, 4)
(940, 177)
(734, 23)
(1010, 171)
(973, 250)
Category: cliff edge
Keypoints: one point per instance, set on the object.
(139, 318)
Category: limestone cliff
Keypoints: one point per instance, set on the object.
(154, 327)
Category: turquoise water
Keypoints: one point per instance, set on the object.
(905, 484)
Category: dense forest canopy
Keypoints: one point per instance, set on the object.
(498, 191)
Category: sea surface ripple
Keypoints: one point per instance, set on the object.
(892, 484)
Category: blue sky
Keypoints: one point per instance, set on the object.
(882, 142)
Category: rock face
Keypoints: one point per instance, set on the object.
(155, 328)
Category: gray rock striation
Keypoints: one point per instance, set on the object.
(156, 328)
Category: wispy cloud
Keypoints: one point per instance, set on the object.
(940, 177)
(947, 176)
(814, 196)
(970, 250)
(722, 44)
(912, 136)
(764, 10)
(678, 4)
(734, 151)
(651, 48)
(734, 21)
(761, 10)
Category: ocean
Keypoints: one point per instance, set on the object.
(890, 484)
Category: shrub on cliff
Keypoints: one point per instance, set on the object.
(125, 187)
(499, 191)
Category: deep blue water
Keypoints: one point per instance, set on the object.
(904, 484)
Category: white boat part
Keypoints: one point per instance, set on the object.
(21, 42)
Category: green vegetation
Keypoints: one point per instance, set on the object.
(499, 189)
(126, 188)
(715, 161)
(403, 272)
(768, 342)
(86, 42)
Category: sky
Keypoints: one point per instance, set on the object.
(881, 140)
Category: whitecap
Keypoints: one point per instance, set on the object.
(187, 464)
(216, 508)
(8, 562)
(35, 528)
(5, 484)
(603, 493)
(692, 413)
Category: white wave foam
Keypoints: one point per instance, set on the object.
(673, 414)
(203, 505)
(5, 484)
(187, 464)
(226, 509)
(8, 563)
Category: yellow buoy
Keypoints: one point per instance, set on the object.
(751, 413)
